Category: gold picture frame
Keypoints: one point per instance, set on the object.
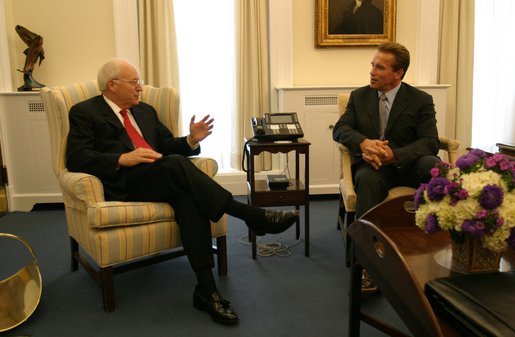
(341, 23)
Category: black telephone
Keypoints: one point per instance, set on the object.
(277, 126)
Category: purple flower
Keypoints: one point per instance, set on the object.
(451, 187)
(504, 165)
(431, 226)
(462, 194)
(435, 172)
(436, 188)
(498, 157)
(467, 161)
(491, 197)
(482, 214)
(499, 222)
(419, 196)
(474, 228)
(478, 153)
(490, 162)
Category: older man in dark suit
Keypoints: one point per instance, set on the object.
(120, 140)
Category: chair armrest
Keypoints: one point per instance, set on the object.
(451, 146)
(346, 161)
(346, 184)
(208, 165)
(80, 190)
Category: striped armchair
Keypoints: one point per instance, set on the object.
(116, 234)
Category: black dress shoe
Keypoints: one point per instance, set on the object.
(274, 222)
(215, 306)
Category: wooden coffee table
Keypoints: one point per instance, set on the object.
(428, 255)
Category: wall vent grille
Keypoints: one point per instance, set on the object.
(36, 106)
(313, 101)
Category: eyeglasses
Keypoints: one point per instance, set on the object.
(131, 82)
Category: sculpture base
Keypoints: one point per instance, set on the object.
(30, 84)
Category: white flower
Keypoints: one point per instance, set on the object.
(446, 215)
(507, 210)
(466, 209)
(475, 181)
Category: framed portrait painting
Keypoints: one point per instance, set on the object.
(343, 23)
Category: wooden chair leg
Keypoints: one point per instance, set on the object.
(107, 285)
(253, 239)
(221, 248)
(349, 219)
(355, 299)
(74, 247)
(341, 212)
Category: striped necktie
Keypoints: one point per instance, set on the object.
(383, 115)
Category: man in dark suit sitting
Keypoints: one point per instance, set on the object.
(390, 127)
(120, 140)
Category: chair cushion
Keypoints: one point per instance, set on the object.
(115, 213)
(399, 192)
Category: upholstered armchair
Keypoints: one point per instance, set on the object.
(117, 236)
(347, 203)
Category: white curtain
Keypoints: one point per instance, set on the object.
(158, 51)
(494, 74)
(456, 67)
(252, 72)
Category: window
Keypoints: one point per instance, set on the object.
(493, 117)
(205, 45)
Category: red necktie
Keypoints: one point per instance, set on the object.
(136, 138)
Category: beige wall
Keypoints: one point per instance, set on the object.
(343, 66)
(78, 38)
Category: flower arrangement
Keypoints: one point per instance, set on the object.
(475, 198)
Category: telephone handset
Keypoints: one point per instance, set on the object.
(277, 126)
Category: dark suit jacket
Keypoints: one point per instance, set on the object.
(411, 128)
(97, 139)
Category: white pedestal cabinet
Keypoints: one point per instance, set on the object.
(26, 151)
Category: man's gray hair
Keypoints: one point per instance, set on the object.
(109, 71)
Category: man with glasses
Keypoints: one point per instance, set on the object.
(120, 140)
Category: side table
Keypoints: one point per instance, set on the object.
(296, 194)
